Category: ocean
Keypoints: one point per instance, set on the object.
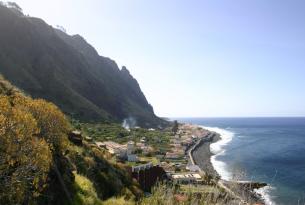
(270, 150)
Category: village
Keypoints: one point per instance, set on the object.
(148, 166)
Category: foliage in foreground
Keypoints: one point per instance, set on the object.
(85, 192)
(107, 179)
(165, 195)
(38, 164)
(30, 132)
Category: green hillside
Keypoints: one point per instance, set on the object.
(50, 64)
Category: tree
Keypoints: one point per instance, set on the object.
(175, 127)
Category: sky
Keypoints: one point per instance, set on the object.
(197, 58)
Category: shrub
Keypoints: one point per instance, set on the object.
(85, 192)
(25, 159)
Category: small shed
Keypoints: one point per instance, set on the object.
(76, 137)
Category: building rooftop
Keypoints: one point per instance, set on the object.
(186, 176)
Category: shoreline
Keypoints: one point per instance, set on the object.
(202, 155)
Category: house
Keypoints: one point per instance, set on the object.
(172, 155)
(147, 175)
(193, 168)
(76, 137)
(188, 178)
(132, 158)
(114, 148)
(142, 167)
(124, 152)
(130, 147)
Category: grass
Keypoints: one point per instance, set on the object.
(131, 164)
(198, 189)
(177, 195)
(154, 160)
(118, 201)
(85, 192)
(162, 194)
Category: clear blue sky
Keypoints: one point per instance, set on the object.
(197, 58)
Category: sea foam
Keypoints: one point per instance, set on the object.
(218, 149)
(265, 193)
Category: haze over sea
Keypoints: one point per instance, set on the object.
(261, 149)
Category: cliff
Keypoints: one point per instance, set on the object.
(47, 63)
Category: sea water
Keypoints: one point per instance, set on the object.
(270, 150)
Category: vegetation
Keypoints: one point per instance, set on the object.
(23, 172)
(40, 166)
(85, 192)
(158, 139)
(118, 201)
(108, 179)
(67, 71)
(31, 131)
(175, 127)
(175, 195)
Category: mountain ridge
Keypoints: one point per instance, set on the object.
(47, 63)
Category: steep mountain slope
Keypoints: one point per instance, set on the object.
(66, 70)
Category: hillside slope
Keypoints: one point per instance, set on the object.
(40, 166)
(66, 70)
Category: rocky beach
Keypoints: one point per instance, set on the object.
(244, 191)
(202, 154)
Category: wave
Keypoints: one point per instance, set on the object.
(265, 193)
(218, 149)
